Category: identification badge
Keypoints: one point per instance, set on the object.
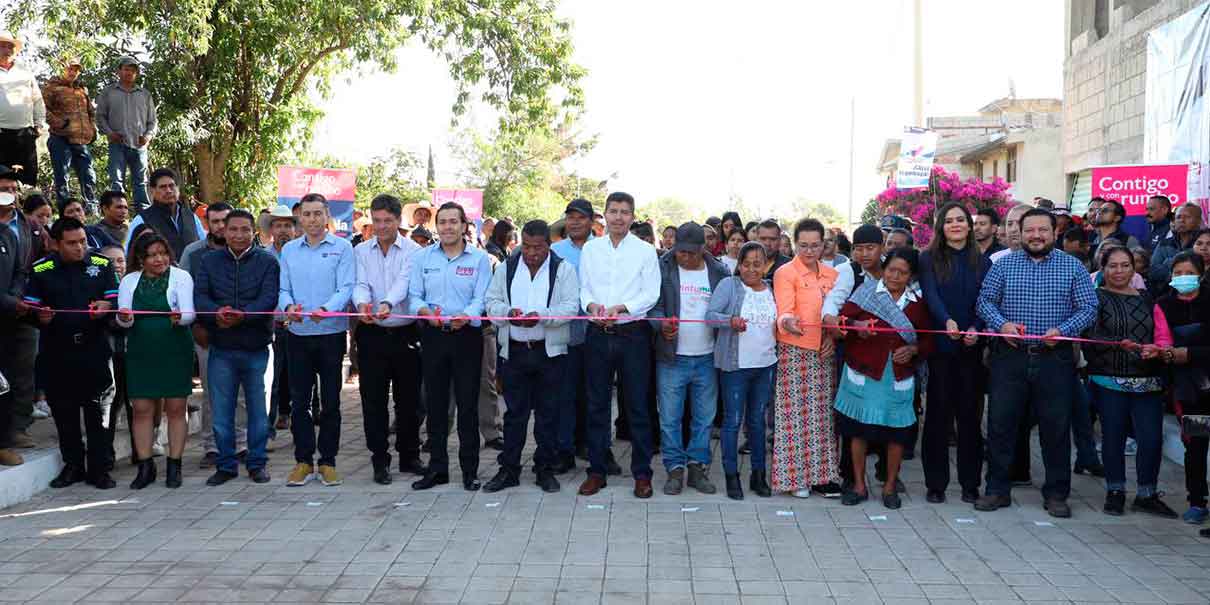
(464, 271)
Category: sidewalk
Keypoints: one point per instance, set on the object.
(362, 542)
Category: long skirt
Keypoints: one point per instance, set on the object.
(804, 442)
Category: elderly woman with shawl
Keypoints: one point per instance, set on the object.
(877, 383)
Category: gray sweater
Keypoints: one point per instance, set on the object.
(726, 302)
(130, 113)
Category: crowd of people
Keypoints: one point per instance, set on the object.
(807, 349)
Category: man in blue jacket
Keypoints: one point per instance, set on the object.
(233, 282)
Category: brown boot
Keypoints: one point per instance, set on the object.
(10, 458)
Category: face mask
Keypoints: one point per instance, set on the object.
(1184, 284)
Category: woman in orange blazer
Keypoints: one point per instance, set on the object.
(805, 455)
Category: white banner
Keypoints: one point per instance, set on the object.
(1176, 122)
(916, 153)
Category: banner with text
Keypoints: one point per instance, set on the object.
(1131, 186)
(338, 185)
(916, 153)
(471, 201)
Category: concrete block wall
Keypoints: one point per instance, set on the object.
(1103, 88)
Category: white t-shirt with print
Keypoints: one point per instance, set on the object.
(757, 344)
(694, 338)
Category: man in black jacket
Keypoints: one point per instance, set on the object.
(233, 283)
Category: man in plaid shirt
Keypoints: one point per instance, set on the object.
(1035, 291)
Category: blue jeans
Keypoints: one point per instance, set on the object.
(746, 392)
(230, 369)
(122, 157)
(64, 155)
(1118, 411)
(1033, 378)
(694, 374)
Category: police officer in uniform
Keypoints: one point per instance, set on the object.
(73, 278)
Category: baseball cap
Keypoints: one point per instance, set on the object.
(690, 237)
(580, 205)
(7, 199)
(128, 60)
(892, 221)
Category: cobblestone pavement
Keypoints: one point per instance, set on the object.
(361, 542)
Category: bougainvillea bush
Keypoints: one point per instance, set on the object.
(944, 187)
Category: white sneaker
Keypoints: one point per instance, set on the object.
(801, 493)
(41, 410)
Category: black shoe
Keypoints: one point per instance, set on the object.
(102, 480)
(382, 475)
(209, 460)
(413, 466)
(1153, 505)
(1096, 470)
(1057, 508)
(746, 448)
(827, 490)
(431, 480)
(852, 498)
(970, 496)
(502, 480)
(68, 476)
(172, 474)
(1115, 503)
(935, 496)
(547, 482)
(892, 501)
(145, 475)
(991, 502)
(611, 464)
(735, 490)
(220, 477)
(471, 484)
(496, 444)
(258, 475)
(566, 464)
(760, 485)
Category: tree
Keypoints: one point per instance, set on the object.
(667, 211)
(233, 79)
(821, 211)
(871, 214)
(398, 173)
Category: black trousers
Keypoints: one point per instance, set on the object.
(320, 355)
(452, 357)
(1196, 449)
(389, 364)
(626, 349)
(532, 381)
(953, 393)
(621, 424)
(279, 391)
(121, 401)
(17, 148)
(90, 396)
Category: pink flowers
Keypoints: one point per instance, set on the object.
(944, 186)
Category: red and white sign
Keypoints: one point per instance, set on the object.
(1131, 186)
(332, 183)
(471, 200)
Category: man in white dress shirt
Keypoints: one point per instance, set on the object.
(385, 351)
(620, 283)
(534, 283)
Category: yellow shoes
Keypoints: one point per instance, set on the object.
(328, 475)
(301, 474)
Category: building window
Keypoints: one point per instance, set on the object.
(1010, 169)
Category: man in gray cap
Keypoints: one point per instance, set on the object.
(22, 112)
(685, 358)
(126, 116)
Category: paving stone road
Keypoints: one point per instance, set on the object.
(361, 542)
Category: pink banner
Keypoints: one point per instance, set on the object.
(471, 200)
(1132, 185)
(336, 184)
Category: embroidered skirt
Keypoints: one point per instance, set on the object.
(804, 440)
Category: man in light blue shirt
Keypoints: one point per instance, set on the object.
(449, 284)
(318, 273)
(573, 410)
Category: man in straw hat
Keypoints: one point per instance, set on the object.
(22, 112)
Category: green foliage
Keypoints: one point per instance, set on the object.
(399, 173)
(234, 79)
(522, 172)
(821, 211)
(666, 211)
(871, 213)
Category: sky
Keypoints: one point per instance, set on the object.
(700, 101)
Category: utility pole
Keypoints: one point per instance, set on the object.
(918, 63)
(852, 143)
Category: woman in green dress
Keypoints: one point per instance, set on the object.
(159, 351)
